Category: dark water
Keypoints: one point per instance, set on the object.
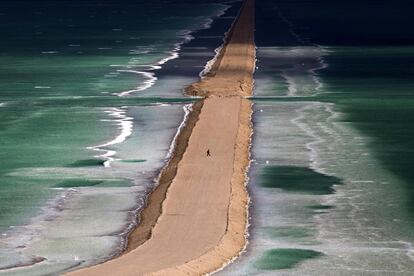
(298, 179)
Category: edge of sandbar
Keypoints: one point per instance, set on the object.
(148, 217)
(234, 239)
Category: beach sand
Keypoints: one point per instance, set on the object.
(195, 220)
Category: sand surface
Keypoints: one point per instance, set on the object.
(195, 220)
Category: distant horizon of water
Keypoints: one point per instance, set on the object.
(90, 102)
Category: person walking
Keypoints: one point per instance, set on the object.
(208, 152)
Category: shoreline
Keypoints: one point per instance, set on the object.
(225, 242)
(149, 215)
(172, 54)
(148, 219)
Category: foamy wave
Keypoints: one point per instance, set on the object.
(125, 124)
(150, 81)
(187, 109)
(301, 68)
(310, 146)
(217, 51)
(324, 51)
(42, 87)
(173, 54)
(210, 63)
(162, 104)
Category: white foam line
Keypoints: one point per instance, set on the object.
(187, 109)
(173, 54)
(210, 63)
(323, 50)
(292, 90)
(217, 51)
(151, 78)
(2, 104)
(162, 104)
(125, 124)
(315, 139)
(314, 72)
(150, 81)
(209, 22)
(42, 87)
(292, 87)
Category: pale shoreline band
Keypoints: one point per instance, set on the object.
(195, 220)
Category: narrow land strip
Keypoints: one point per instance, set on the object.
(195, 220)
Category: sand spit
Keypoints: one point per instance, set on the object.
(196, 218)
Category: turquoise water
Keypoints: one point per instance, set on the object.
(283, 258)
(88, 111)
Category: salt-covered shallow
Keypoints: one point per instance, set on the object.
(323, 203)
(296, 69)
(88, 224)
(354, 229)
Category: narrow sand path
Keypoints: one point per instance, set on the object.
(203, 219)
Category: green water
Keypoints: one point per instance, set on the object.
(287, 232)
(297, 179)
(374, 87)
(284, 258)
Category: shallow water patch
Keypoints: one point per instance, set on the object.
(287, 232)
(134, 161)
(87, 163)
(71, 183)
(320, 207)
(284, 258)
(77, 183)
(298, 179)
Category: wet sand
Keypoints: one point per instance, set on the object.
(195, 220)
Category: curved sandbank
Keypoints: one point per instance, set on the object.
(195, 220)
